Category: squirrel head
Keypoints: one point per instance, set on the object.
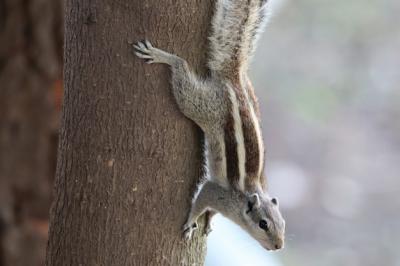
(263, 220)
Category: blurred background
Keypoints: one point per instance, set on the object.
(326, 74)
(31, 39)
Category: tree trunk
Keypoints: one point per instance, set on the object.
(30, 62)
(128, 159)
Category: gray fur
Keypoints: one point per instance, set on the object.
(234, 205)
(202, 100)
(235, 27)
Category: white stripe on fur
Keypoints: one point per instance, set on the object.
(257, 128)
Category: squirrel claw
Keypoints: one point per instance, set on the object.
(187, 234)
(145, 50)
(188, 230)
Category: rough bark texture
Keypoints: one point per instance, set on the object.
(128, 159)
(30, 61)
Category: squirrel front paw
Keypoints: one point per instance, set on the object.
(188, 230)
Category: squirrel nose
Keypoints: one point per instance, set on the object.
(278, 244)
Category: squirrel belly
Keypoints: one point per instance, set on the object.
(224, 106)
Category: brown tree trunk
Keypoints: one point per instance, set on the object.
(30, 61)
(128, 159)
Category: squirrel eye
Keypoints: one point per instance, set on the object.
(263, 225)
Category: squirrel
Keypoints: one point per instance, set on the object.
(225, 107)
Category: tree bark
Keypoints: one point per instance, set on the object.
(128, 159)
(30, 62)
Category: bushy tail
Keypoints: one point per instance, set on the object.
(236, 26)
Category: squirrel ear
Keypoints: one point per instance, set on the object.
(255, 200)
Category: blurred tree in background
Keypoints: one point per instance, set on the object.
(30, 65)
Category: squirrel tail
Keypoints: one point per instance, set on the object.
(236, 26)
